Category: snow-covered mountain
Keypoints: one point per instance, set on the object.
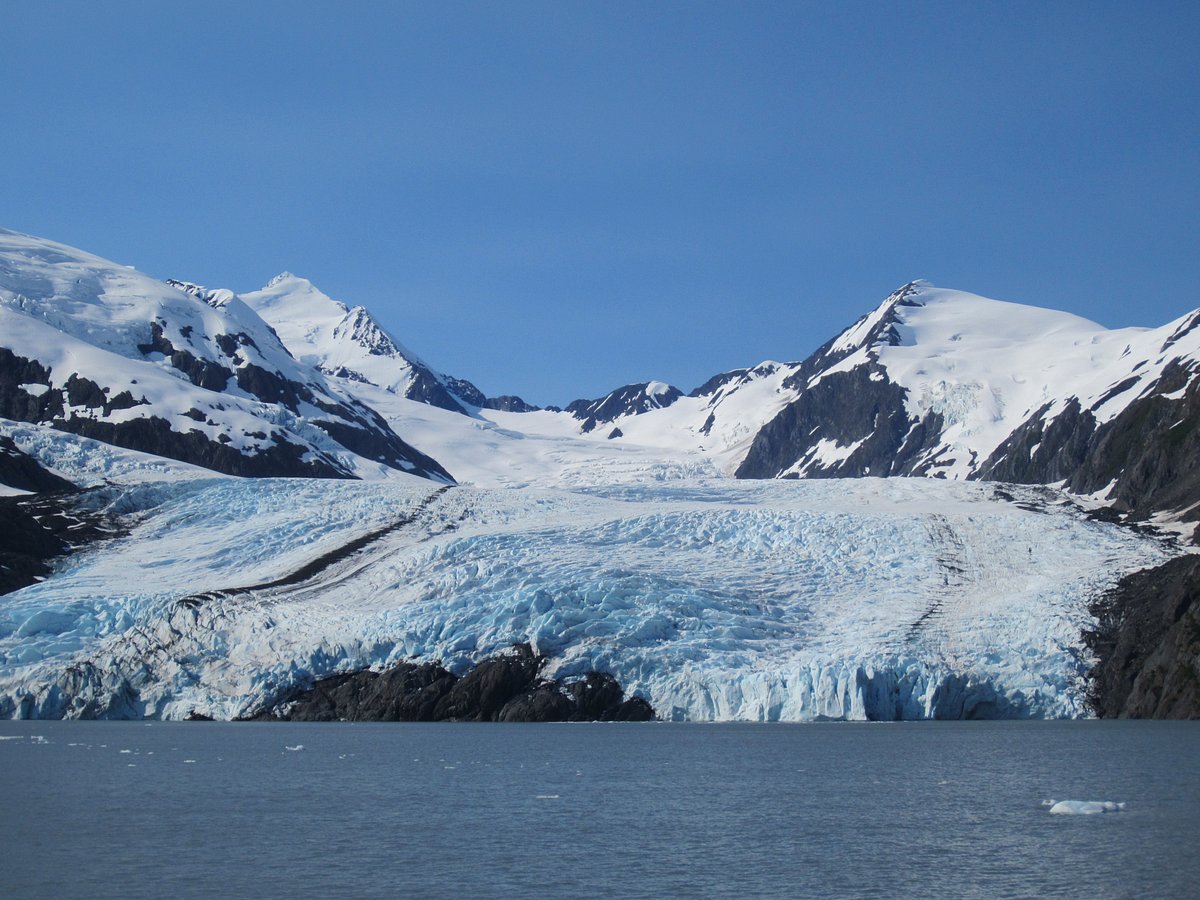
(631, 400)
(611, 536)
(944, 383)
(932, 382)
(947, 384)
(350, 344)
(100, 350)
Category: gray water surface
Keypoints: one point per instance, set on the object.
(124, 809)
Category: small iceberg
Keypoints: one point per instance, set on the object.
(1082, 807)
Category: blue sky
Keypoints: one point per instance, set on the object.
(554, 199)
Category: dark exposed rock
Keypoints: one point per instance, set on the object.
(545, 702)
(630, 400)
(201, 372)
(271, 387)
(1148, 644)
(19, 404)
(426, 387)
(84, 392)
(229, 343)
(846, 408)
(1058, 446)
(25, 547)
(717, 382)
(735, 376)
(859, 406)
(465, 391)
(384, 446)
(158, 342)
(36, 530)
(598, 696)
(634, 709)
(405, 693)
(23, 472)
(504, 688)
(482, 693)
(123, 400)
(1149, 453)
(1192, 323)
(356, 427)
(509, 403)
(154, 435)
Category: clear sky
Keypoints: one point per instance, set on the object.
(554, 199)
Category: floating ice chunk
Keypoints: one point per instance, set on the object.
(1082, 807)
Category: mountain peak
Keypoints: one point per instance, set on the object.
(878, 326)
(281, 278)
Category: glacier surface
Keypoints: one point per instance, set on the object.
(712, 599)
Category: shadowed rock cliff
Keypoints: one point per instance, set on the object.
(505, 688)
(1148, 644)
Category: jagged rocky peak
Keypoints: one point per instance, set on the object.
(351, 344)
(358, 326)
(945, 383)
(630, 400)
(880, 325)
(721, 384)
(218, 298)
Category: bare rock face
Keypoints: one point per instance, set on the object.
(36, 530)
(23, 472)
(1149, 454)
(481, 694)
(1148, 644)
(505, 688)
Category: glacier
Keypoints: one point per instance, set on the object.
(713, 599)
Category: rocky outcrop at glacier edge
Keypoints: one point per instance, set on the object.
(1147, 641)
(503, 688)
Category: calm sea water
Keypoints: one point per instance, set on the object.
(856, 810)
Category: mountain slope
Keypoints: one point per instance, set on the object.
(947, 384)
(350, 344)
(933, 382)
(97, 349)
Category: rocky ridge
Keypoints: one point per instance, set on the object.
(504, 688)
